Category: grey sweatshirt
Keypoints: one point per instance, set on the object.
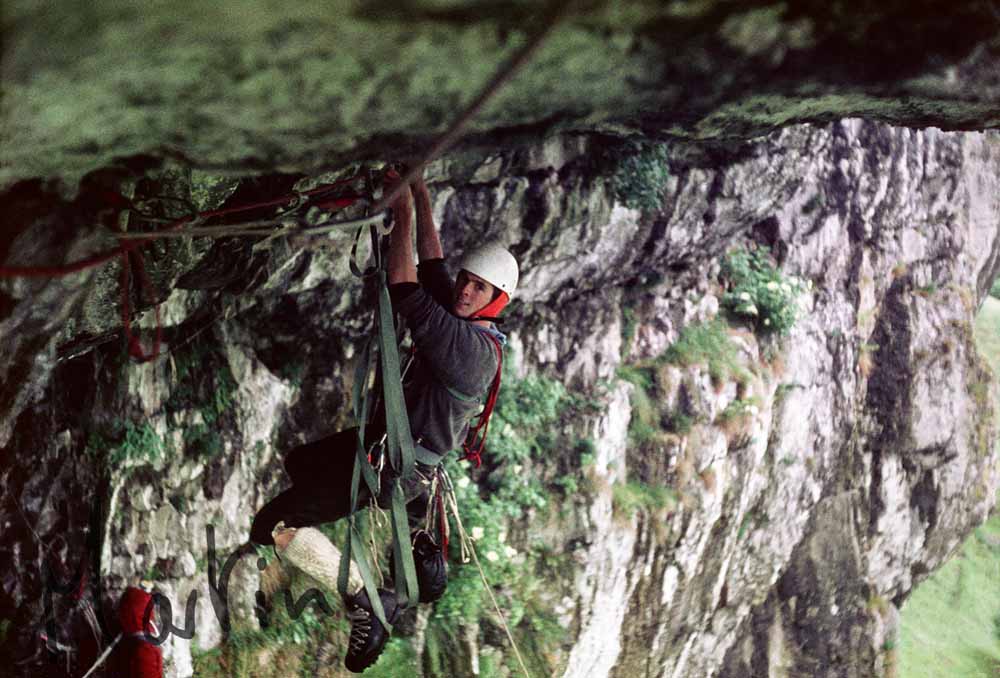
(455, 361)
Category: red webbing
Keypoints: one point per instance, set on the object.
(103, 257)
(474, 442)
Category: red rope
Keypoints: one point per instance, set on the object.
(442, 522)
(134, 247)
(474, 442)
(78, 594)
(134, 345)
(106, 256)
(66, 269)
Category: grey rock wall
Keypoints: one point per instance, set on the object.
(797, 529)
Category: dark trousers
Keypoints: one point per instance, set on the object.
(321, 487)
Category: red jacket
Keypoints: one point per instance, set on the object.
(136, 657)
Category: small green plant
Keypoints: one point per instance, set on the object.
(140, 444)
(630, 324)
(569, 485)
(202, 442)
(680, 423)
(586, 448)
(759, 293)
(153, 573)
(642, 377)
(708, 344)
(639, 174)
(644, 423)
(628, 498)
(739, 409)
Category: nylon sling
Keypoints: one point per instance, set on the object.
(398, 448)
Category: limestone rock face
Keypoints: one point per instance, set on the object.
(819, 477)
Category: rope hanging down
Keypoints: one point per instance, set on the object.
(468, 551)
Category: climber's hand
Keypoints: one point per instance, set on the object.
(404, 199)
(419, 188)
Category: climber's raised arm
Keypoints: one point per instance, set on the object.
(402, 268)
(428, 243)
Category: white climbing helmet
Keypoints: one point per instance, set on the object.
(494, 264)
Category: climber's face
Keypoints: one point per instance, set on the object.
(471, 294)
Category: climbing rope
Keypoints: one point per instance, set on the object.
(104, 655)
(468, 550)
(399, 444)
(321, 196)
(475, 441)
(129, 251)
(556, 13)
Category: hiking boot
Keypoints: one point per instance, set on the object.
(368, 636)
(430, 566)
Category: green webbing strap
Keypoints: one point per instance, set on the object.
(400, 455)
(404, 570)
(397, 421)
(354, 549)
(400, 446)
(362, 406)
(354, 544)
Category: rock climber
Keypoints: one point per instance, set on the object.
(456, 361)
